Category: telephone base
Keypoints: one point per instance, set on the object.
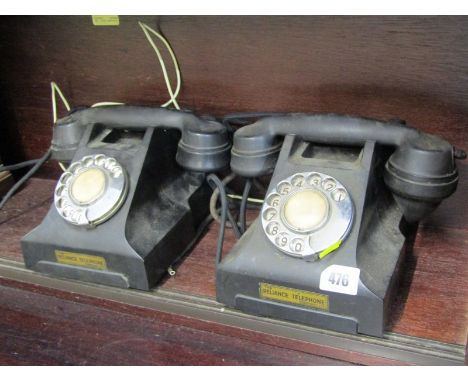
(299, 314)
(348, 289)
(135, 247)
(118, 280)
(293, 290)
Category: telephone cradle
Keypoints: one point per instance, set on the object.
(327, 247)
(132, 198)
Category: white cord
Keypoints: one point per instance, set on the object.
(54, 88)
(251, 200)
(172, 94)
(99, 104)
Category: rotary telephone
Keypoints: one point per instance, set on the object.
(122, 202)
(344, 195)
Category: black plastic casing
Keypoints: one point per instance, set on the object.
(374, 245)
(166, 201)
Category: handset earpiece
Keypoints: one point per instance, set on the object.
(66, 136)
(204, 148)
(204, 145)
(420, 173)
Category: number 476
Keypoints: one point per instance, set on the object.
(336, 278)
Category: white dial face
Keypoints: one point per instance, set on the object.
(306, 214)
(91, 190)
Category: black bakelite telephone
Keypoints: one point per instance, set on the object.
(124, 210)
(326, 247)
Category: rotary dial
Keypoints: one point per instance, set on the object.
(307, 214)
(91, 190)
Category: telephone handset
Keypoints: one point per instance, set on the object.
(326, 246)
(135, 182)
(420, 173)
(204, 144)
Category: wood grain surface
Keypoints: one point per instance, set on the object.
(413, 68)
(39, 328)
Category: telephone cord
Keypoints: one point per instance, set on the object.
(230, 223)
(37, 163)
(55, 88)
(243, 206)
(18, 166)
(20, 182)
(172, 94)
(216, 183)
(146, 29)
(214, 211)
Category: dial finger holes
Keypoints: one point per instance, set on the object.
(297, 245)
(88, 161)
(59, 203)
(269, 214)
(328, 184)
(315, 180)
(298, 181)
(307, 213)
(65, 177)
(66, 210)
(272, 228)
(74, 167)
(339, 194)
(284, 188)
(99, 160)
(282, 239)
(59, 190)
(116, 171)
(274, 200)
(110, 163)
(91, 191)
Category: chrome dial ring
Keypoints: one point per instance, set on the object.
(307, 214)
(91, 190)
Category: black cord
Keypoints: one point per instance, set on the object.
(25, 177)
(214, 200)
(213, 211)
(243, 206)
(215, 182)
(18, 166)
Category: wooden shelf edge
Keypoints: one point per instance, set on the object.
(392, 349)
